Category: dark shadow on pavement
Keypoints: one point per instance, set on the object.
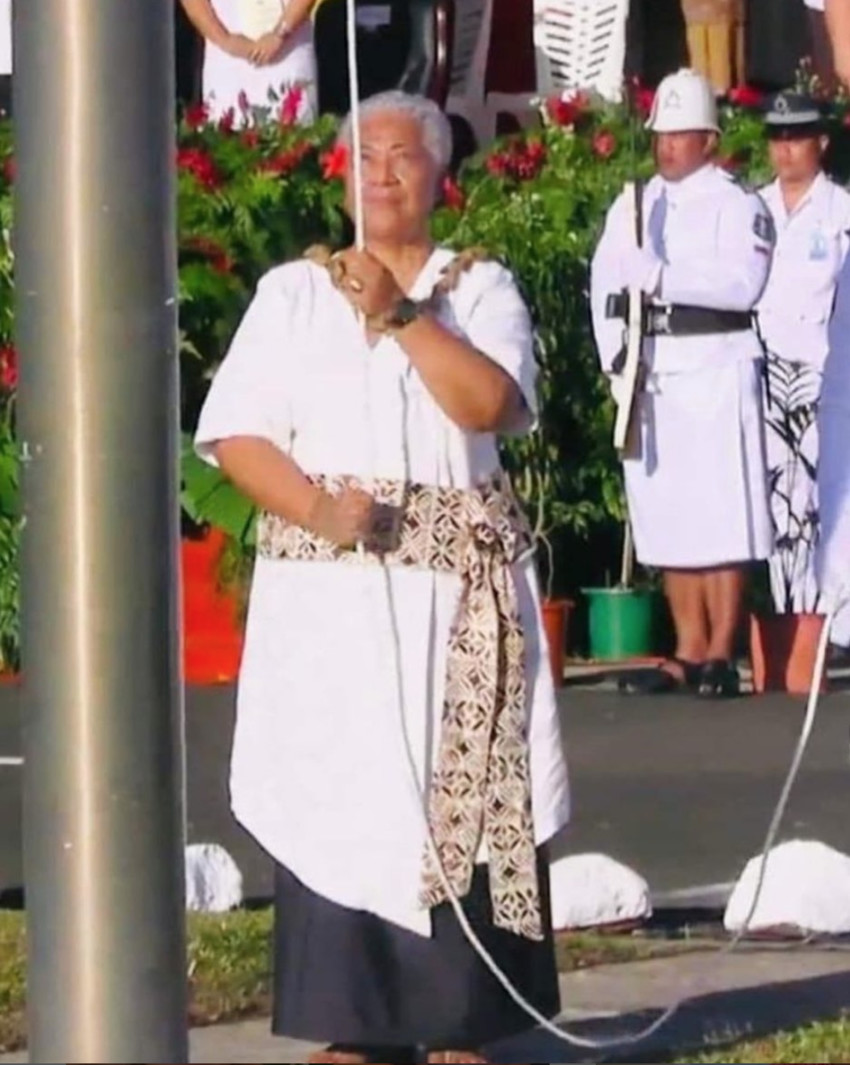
(714, 1020)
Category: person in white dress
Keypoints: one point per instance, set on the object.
(837, 16)
(811, 215)
(697, 488)
(6, 57)
(255, 51)
(360, 403)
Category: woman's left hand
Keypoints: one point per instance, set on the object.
(268, 49)
(365, 282)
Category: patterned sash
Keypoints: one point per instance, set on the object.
(481, 785)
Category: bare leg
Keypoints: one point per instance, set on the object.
(685, 590)
(724, 597)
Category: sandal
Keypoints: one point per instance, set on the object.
(456, 1057)
(719, 680)
(661, 681)
(336, 1055)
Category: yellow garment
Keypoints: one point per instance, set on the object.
(717, 51)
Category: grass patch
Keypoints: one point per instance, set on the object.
(584, 950)
(230, 966)
(13, 981)
(825, 1042)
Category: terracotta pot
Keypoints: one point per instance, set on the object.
(212, 633)
(556, 614)
(783, 649)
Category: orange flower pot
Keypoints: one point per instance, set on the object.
(556, 613)
(212, 632)
(783, 648)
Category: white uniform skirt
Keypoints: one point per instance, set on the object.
(698, 493)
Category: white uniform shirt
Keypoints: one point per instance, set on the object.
(816, 5)
(5, 37)
(811, 245)
(708, 244)
(227, 77)
(320, 773)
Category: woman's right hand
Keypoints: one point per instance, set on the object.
(239, 46)
(344, 519)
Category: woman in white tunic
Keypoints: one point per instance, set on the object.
(370, 692)
(811, 215)
(254, 51)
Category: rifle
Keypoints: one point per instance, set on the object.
(627, 426)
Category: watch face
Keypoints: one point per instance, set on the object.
(406, 310)
(259, 16)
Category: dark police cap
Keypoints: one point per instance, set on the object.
(794, 114)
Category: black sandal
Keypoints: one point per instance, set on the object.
(719, 680)
(661, 681)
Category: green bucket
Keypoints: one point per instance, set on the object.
(621, 623)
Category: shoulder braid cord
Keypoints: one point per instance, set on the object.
(449, 279)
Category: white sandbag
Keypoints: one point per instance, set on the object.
(806, 887)
(593, 890)
(213, 879)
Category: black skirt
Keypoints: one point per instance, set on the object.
(350, 978)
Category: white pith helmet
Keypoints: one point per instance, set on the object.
(685, 101)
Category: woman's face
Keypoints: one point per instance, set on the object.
(399, 178)
(797, 160)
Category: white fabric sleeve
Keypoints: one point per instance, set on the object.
(250, 393)
(499, 325)
(734, 276)
(607, 277)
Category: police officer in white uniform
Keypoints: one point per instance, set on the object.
(697, 491)
(811, 215)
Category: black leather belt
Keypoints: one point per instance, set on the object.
(681, 320)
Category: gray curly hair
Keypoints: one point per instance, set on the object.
(436, 128)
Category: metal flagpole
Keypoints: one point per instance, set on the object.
(96, 328)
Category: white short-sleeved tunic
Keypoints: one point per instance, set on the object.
(5, 37)
(227, 77)
(320, 772)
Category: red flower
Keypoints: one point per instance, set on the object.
(243, 102)
(285, 162)
(291, 106)
(8, 368)
(196, 161)
(644, 102)
(9, 169)
(520, 161)
(218, 257)
(566, 111)
(453, 194)
(562, 112)
(250, 138)
(197, 115)
(335, 163)
(498, 164)
(227, 121)
(604, 144)
(746, 96)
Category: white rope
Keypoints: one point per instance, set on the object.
(543, 1022)
(356, 142)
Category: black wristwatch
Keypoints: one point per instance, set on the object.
(404, 312)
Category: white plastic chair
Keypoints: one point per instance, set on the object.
(581, 44)
(578, 44)
(470, 49)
